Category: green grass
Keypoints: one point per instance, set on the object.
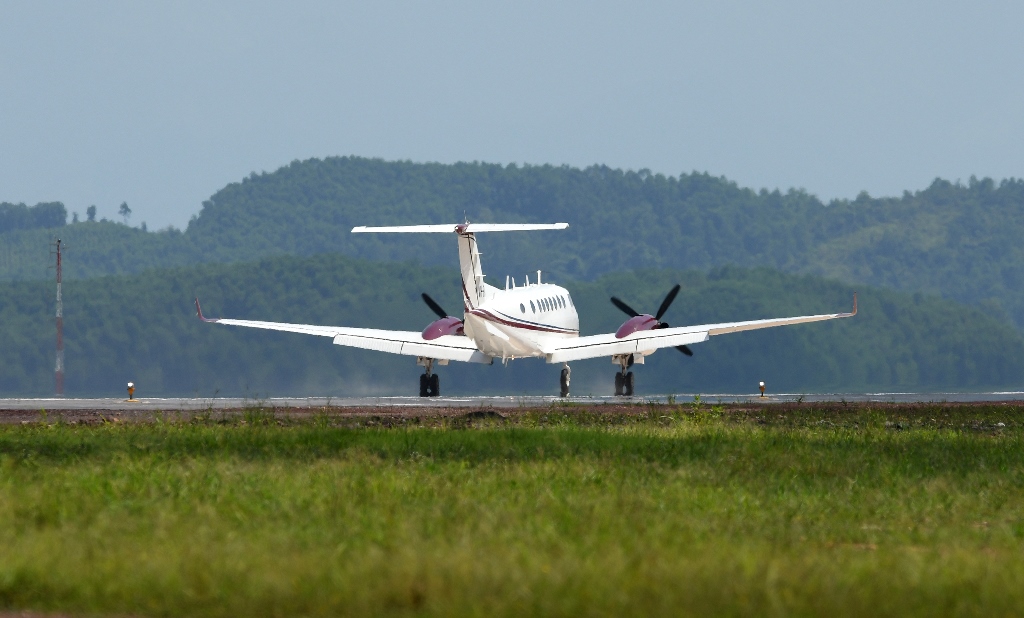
(674, 510)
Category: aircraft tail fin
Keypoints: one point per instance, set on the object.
(473, 290)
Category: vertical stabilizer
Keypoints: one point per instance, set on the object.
(473, 288)
(472, 272)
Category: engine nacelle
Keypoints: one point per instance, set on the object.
(442, 327)
(636, 324)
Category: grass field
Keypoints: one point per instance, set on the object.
(671, 510)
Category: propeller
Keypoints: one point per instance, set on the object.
(665, 304)
(446, 325)
(436, 308)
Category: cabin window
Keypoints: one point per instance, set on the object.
(522, 307)
(532, 308)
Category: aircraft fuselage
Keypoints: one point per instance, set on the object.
(516, 323)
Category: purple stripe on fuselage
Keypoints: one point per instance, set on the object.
(513, 322)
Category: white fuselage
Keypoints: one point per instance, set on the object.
(517, 322)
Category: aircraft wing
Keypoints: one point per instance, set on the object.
(409, 343)
(645, 341)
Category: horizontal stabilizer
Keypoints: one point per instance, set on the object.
(465, 228)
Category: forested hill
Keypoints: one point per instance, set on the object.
(143, 328)
(960, 241)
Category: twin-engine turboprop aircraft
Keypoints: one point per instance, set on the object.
(521, 321)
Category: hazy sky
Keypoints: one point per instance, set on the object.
(160, 104)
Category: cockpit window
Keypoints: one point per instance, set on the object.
(522, 307)
(532, 308)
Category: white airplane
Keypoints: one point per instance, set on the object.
(536, 320)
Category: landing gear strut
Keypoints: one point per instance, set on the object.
(624, 377)
(564, 381)
(430, 384)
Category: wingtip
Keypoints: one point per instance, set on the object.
(854, 312)
(199, 312)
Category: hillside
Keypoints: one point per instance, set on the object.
(951, 240)
(142, 328)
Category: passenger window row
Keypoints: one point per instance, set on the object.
(546, 304)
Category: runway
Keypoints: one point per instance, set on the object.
(231, 403)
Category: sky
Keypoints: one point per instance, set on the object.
(160, 104)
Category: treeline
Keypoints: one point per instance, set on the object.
(45, 215)
(143, 328)
(958, 241)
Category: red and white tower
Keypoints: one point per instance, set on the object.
(59, 369)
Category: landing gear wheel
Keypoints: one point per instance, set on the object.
(424, 385)
(627, 385)
(434, 386)
(563, 381)
(619, 381)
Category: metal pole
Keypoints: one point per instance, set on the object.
(59, 370)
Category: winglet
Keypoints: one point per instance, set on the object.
(852, 313)
(199, 312)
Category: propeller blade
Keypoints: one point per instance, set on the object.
(685, 350)
(667, 302)
(624, 307)
(436, 308)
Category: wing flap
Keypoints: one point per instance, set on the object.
(448, 347)
(409, 343)
(595, 346)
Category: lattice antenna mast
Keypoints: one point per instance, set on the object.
(59, 368)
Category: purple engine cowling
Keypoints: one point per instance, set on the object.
(636, 324)
(442, 327)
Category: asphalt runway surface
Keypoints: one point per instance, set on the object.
(525, 401)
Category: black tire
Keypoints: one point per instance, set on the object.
(563, 382)
(424, 380)
(627, 386)
(435, 386)
(618, 383)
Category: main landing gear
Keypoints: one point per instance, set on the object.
(564, 381)
(430, 384)
(624, 377)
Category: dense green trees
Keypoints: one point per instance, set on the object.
(142, 328)
(21, 217)
(959, 241)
